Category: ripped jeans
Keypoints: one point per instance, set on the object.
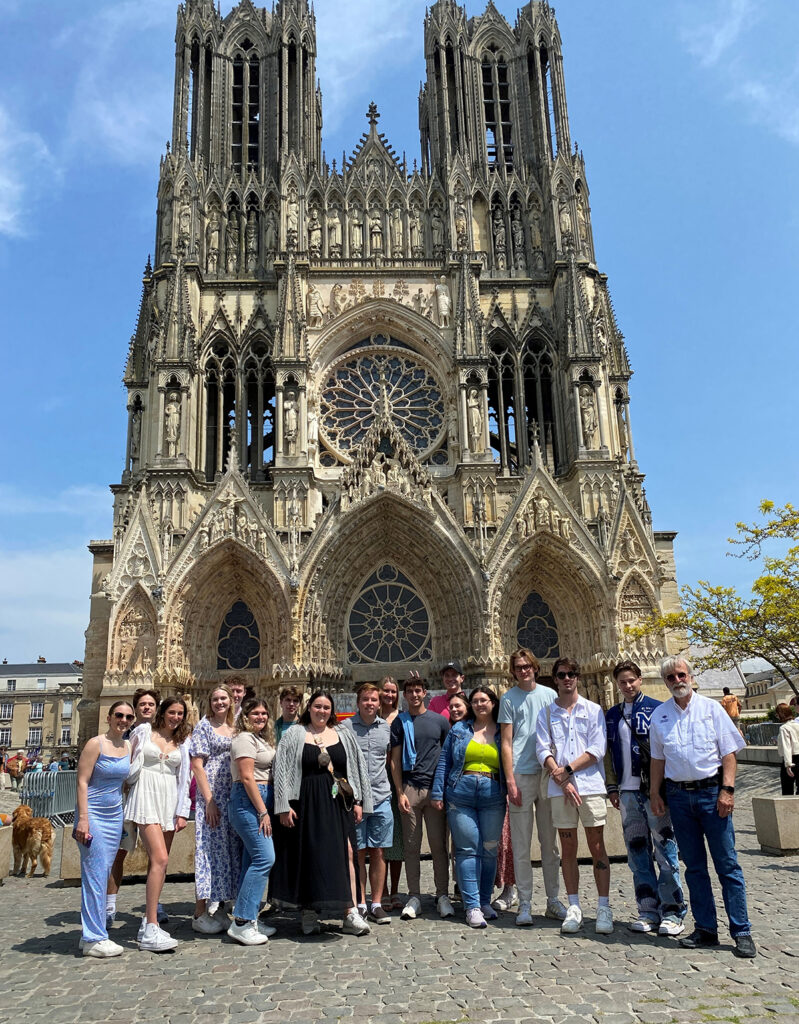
(476, 811)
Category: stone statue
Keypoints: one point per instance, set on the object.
(334, 232)
(338, 299)
(356, 232)
(517, 234)
(601, 337)
(536, 238)
(564, 219)
(184, 235)
(315, 233)
(542, 519)
(292, 218)
(313, 427)
(582, 221)
(166, 228)
(622, 428)
(461, 223)
(475, 420)
(314, 306)
(232, 241)
(251, 240)
(417, 301)
(437, 230)
(629, 548)
(212, 241)
(290, 423)
(192, 714)
(444, 302)
(270, 231)
(417, 240)
(135, 433)
(498, 227)
(375, 231)
(588, 415)
(172, 425)
(396, 231)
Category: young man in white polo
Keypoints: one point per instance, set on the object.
(571, 743)
(528, 803)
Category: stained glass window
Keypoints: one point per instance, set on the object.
(388, 621)
(239, 644)
(357, 386)
(536, 629)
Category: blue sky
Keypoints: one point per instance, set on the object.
(688, 116)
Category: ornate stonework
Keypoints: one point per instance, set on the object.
(378, 414)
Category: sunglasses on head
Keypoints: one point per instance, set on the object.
(566, 675)
(123, 717)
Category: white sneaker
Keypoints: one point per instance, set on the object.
(156, 940)
(643, 924)
(671, 925)
(248, 934)
(412, 909)
(354, 924)
(445, 908)
(475, 919)
(266, 929)
(488, 912)
(101, 949)
(604, 921)
(573, 921)
(506, 898)
(524, 918)
(555, 910)
(207, 925)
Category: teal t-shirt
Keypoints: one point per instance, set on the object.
(520, 708)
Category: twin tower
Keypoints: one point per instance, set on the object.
(378, 411)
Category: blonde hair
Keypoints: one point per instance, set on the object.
(230, 717)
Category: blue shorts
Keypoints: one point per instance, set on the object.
(376, 830)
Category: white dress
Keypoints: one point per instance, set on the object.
(153, 799)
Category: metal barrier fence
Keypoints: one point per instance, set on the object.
(50, 795)
(762, 734)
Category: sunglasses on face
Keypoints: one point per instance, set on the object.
(566, 675)
(674, 677)
(123, 717)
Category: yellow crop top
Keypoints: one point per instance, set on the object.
(481, 757)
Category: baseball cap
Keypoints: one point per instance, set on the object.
(452, 664)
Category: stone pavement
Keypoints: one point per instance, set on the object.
(422, 972)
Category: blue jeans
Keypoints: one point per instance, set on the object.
(258, 854)
(650, 840)
(476, 812)
(695, 819)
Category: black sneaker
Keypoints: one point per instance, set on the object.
(699, 940)
(745, 946)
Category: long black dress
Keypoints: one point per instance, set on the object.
(312, 859)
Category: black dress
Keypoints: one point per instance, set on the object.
(312, 859)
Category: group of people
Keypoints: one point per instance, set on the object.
(309, 812)
(14, 767)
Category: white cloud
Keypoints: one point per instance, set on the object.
(743, 46)
(26, 165)
(88, 502)
(44, 604)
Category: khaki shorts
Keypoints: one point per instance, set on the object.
(591, 813)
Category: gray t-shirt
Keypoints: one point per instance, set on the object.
(374, 742)
(520, 709)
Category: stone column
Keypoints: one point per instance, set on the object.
(577, 418)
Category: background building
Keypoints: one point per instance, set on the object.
(378, 414)
(39, 708)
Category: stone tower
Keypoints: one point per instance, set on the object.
(378, 415)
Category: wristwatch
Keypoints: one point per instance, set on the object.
(568, 769)
(727, 789)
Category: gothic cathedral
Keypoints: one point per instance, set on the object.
(378, 414)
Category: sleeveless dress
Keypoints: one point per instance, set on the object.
(104, 804)
(312, 860)
(153, 800)
(217, 856)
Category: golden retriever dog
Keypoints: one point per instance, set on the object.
(31, 840)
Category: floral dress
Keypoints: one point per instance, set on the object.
(217, 857)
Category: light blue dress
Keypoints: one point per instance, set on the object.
(105, 827)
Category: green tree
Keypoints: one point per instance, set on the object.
(764, 625)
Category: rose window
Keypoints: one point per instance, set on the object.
(536, 629)
(358, 386)
(389, 621)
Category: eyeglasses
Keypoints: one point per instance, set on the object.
(674, 677)
(566, 675)
(122, 717)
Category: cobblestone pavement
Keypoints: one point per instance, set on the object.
(409, 972)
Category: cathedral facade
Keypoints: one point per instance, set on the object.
(378, 414)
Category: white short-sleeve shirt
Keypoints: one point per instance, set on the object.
(693, 741)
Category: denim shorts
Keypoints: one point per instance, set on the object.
(376, 830)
